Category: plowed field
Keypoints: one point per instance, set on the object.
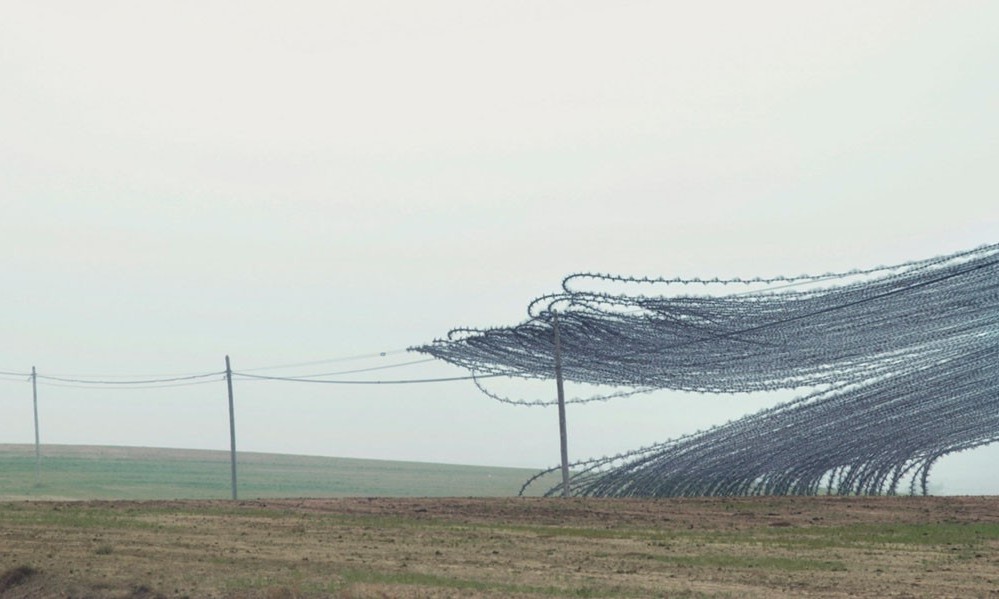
(511, 547)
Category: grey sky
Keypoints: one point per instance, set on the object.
(289, 182)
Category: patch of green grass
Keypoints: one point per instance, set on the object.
(71, 516)
(344, 579)
(587, 533)
(931, 534)
(97, 478)
(737, 562)
(81, 472)
(228, 509)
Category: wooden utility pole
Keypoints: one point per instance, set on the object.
(38, 448)
(561, 406)
(232, 426)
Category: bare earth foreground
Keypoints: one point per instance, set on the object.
(511, 547)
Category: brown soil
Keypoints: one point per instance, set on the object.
(517, 547)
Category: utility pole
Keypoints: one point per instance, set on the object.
(232, 426)
(561, 406)
(38, 449)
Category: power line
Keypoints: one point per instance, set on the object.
(388, 382)
(130, 382)
(132, 375)
(356, 370)
(197, 379)
(126, 386)
(328, 360)
(21, 374)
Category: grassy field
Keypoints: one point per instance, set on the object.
(308, 527)
(87, 472)
(501, 547)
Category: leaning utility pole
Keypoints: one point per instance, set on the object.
(232, 426)
(561, 406)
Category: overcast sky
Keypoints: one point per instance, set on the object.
(306, 181)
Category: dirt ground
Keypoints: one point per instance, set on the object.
(514, 547)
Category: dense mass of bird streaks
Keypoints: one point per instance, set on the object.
(898, 366)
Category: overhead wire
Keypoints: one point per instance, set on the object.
(138, 382)
(361, 382)
(351, 358)
(195, 379)
(220, 377)
(371, 369)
